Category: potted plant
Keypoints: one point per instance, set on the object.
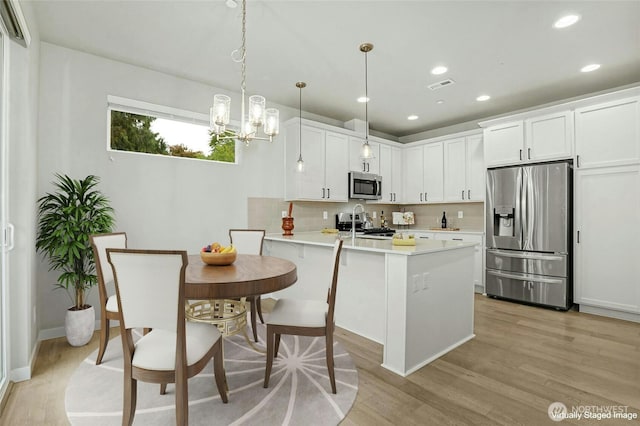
(66, 218)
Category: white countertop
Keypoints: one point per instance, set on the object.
(462, 231)
(372, 245)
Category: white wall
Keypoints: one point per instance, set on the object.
(160, 202)
(23, 117)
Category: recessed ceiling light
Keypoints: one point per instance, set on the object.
(439, 70)
(483, 98)
(590, 67)
(363, 99)
(566, 21)
(440, 101)
(232, 4)
(412, 117)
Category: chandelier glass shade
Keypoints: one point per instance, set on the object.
(253, 117)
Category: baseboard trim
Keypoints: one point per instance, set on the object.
(54, 333)
(611, 313)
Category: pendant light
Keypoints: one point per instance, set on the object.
(365, 151)
(257, 115)
(300, 164)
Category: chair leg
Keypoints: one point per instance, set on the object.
(329, 351)
(220, 375)
(253, 318)
(259, 308)
(277, 346)
(163, 388)
(182, 400)
(267, 370)
(104, 338)
(130, 396)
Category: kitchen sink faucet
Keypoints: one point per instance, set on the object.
(353, 222)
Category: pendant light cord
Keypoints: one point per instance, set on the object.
(300, 126)
(366, 101)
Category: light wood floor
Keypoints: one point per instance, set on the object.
(522, 359)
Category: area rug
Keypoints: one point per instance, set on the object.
(299, 391)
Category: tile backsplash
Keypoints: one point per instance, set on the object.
(266, 213)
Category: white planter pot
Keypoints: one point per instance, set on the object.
(79, 326)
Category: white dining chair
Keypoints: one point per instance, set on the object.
(108, 303)
(305, 318)
(174, 350)
(250, 241)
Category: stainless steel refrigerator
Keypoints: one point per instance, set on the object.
(528, 214)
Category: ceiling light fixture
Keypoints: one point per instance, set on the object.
(440, 101)
(566, 21)
(483, 98)
(590, 67)
(365, 152)
(300, 164)
(439, 70)
(363, 99)
(257, 115)
(412, 117)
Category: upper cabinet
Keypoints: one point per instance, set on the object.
(464, 170)
(535, 139)
(608, 134)
(357, 163)
(423, 173)
(390, 164)
(326, 164)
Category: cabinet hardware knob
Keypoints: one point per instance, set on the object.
(463, 194)
(529, 153)
(468, 194)
(520, 155)
(328, 192)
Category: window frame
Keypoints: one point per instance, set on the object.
(132, 106)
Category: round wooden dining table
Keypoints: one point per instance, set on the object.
(249, 275)
(218, 293)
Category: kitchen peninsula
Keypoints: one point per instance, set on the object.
(415, 300)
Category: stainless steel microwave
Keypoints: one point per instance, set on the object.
(365, 186)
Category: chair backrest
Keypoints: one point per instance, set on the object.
(331, 298)
(247, 241)
(149, 287)
(99, 244)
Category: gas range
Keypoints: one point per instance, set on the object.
(384, 232)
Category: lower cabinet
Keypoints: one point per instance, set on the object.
(478, 269)
(607, 239)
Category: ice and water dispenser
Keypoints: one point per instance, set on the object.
(503, 217)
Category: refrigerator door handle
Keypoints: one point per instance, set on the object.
(533, 256)
(525, 277)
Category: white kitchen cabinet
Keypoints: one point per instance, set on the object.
(357, 163)
(390, 164)
(608, 134)
(607, 249)
(326, 164)
(464, 170)
(478, 268)
(541, 138)
(423, 174)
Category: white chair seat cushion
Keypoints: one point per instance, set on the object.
(112, 304)
(300, 313)
(157, 349)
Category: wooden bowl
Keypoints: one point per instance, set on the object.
(218, 259)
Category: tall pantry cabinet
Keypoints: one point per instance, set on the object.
(607, 207)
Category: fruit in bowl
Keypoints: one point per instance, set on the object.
(217, 254)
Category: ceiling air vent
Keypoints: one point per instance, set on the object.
(441, 84)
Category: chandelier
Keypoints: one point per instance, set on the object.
(365, 151)
(257, 114)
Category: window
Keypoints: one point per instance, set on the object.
(136, 126)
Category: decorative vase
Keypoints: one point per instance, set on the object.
(79, 326)
(287, 226)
